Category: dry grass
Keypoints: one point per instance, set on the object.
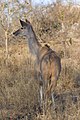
(19, 89)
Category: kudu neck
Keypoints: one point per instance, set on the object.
(34, 45)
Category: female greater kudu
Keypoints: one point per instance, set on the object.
(48, 64)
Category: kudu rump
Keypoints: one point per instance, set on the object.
(48, 64)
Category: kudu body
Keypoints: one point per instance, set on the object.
(48, 64)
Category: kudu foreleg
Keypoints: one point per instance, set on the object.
(41, 92)
(43, 97)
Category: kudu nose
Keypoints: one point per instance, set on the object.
(16, 33)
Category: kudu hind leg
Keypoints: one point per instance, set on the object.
(41, 96)
(53, 94)
(53, 100)
(50, 91)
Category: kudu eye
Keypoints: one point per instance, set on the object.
(22, 28)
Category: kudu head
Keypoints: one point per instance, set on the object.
(25, 30)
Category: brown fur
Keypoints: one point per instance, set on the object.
(50, 68)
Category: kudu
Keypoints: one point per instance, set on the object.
(48, 64)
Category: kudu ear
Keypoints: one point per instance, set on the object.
(23, 23)
(27, 21)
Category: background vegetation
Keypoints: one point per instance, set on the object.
(57, 25)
